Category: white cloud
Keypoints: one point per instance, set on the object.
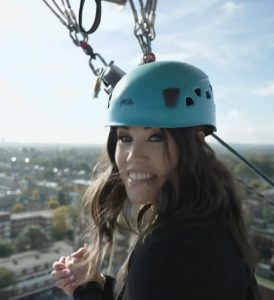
(231, 8)
(267, 90)
(246, 130)
(235, 114)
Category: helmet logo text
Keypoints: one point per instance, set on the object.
(126, 102)
(171, 96)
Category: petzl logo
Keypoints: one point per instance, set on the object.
(126, 102)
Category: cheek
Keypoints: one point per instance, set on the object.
(119, 158)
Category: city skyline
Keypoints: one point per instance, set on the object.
(46, 84)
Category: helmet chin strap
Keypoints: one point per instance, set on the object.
(247, 162)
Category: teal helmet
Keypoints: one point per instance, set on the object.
(163, 94)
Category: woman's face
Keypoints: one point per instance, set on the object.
(145, 159)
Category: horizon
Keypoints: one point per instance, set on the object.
(46, 83)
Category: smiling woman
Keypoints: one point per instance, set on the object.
(143, 162)
(191, 238)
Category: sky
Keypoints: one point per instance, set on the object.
(46, 84)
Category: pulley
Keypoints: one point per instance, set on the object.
(111, 75)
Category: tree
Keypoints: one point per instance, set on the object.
(268, 214)
(18, 208)
(6, 248)
(7, 284)
(31, 238)
(61, 223)
(52, 203)
(35, 194)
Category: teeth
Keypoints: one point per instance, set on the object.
(139, 176)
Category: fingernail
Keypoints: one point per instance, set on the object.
(67, 272)
(71, 277)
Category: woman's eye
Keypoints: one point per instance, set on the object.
(124, 138)
(156, 138)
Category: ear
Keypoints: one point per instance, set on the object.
(201, 136)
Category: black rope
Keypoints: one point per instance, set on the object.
(97, 18)
(248, 163)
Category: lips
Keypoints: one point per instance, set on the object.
(140, 176)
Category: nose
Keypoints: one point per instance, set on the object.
(137, 151)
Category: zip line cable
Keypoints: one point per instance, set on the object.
(247, 162)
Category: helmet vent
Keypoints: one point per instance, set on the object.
(171, 96)
(189, 101)
(208, 95)
(198, 92)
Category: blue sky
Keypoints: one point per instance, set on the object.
(46, 84)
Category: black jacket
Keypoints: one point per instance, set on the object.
(178, 262)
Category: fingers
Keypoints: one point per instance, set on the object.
(64, 279)
(58, 266)
(61, 274)
(62, 259)
(81, 252)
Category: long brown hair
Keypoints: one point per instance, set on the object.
(201, 189)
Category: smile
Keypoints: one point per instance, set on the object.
(138, 176)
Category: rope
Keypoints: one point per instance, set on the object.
(55, 13)
(97, 18)
(247, 162)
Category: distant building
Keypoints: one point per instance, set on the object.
(42, 218)
(32, 269)
(12, 224)
(82, 183)
(5, 224)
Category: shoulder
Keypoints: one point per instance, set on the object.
(175, 257)
(180, 236)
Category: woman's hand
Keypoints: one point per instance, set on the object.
(63, 276)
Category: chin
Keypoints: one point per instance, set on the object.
(140, 199)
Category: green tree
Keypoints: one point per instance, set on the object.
(6, 248)
(268, 214)
(18, 208)
(7, 284)
(52, 203)
(62, 223)
(31, 238)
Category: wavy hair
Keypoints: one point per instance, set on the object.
(201, 189)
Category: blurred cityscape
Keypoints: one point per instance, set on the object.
(41, 187)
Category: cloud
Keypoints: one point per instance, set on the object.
(264, 91)
(244, 131)
(231, 8)
(235, 113)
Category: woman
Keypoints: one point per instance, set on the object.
(191, 241)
